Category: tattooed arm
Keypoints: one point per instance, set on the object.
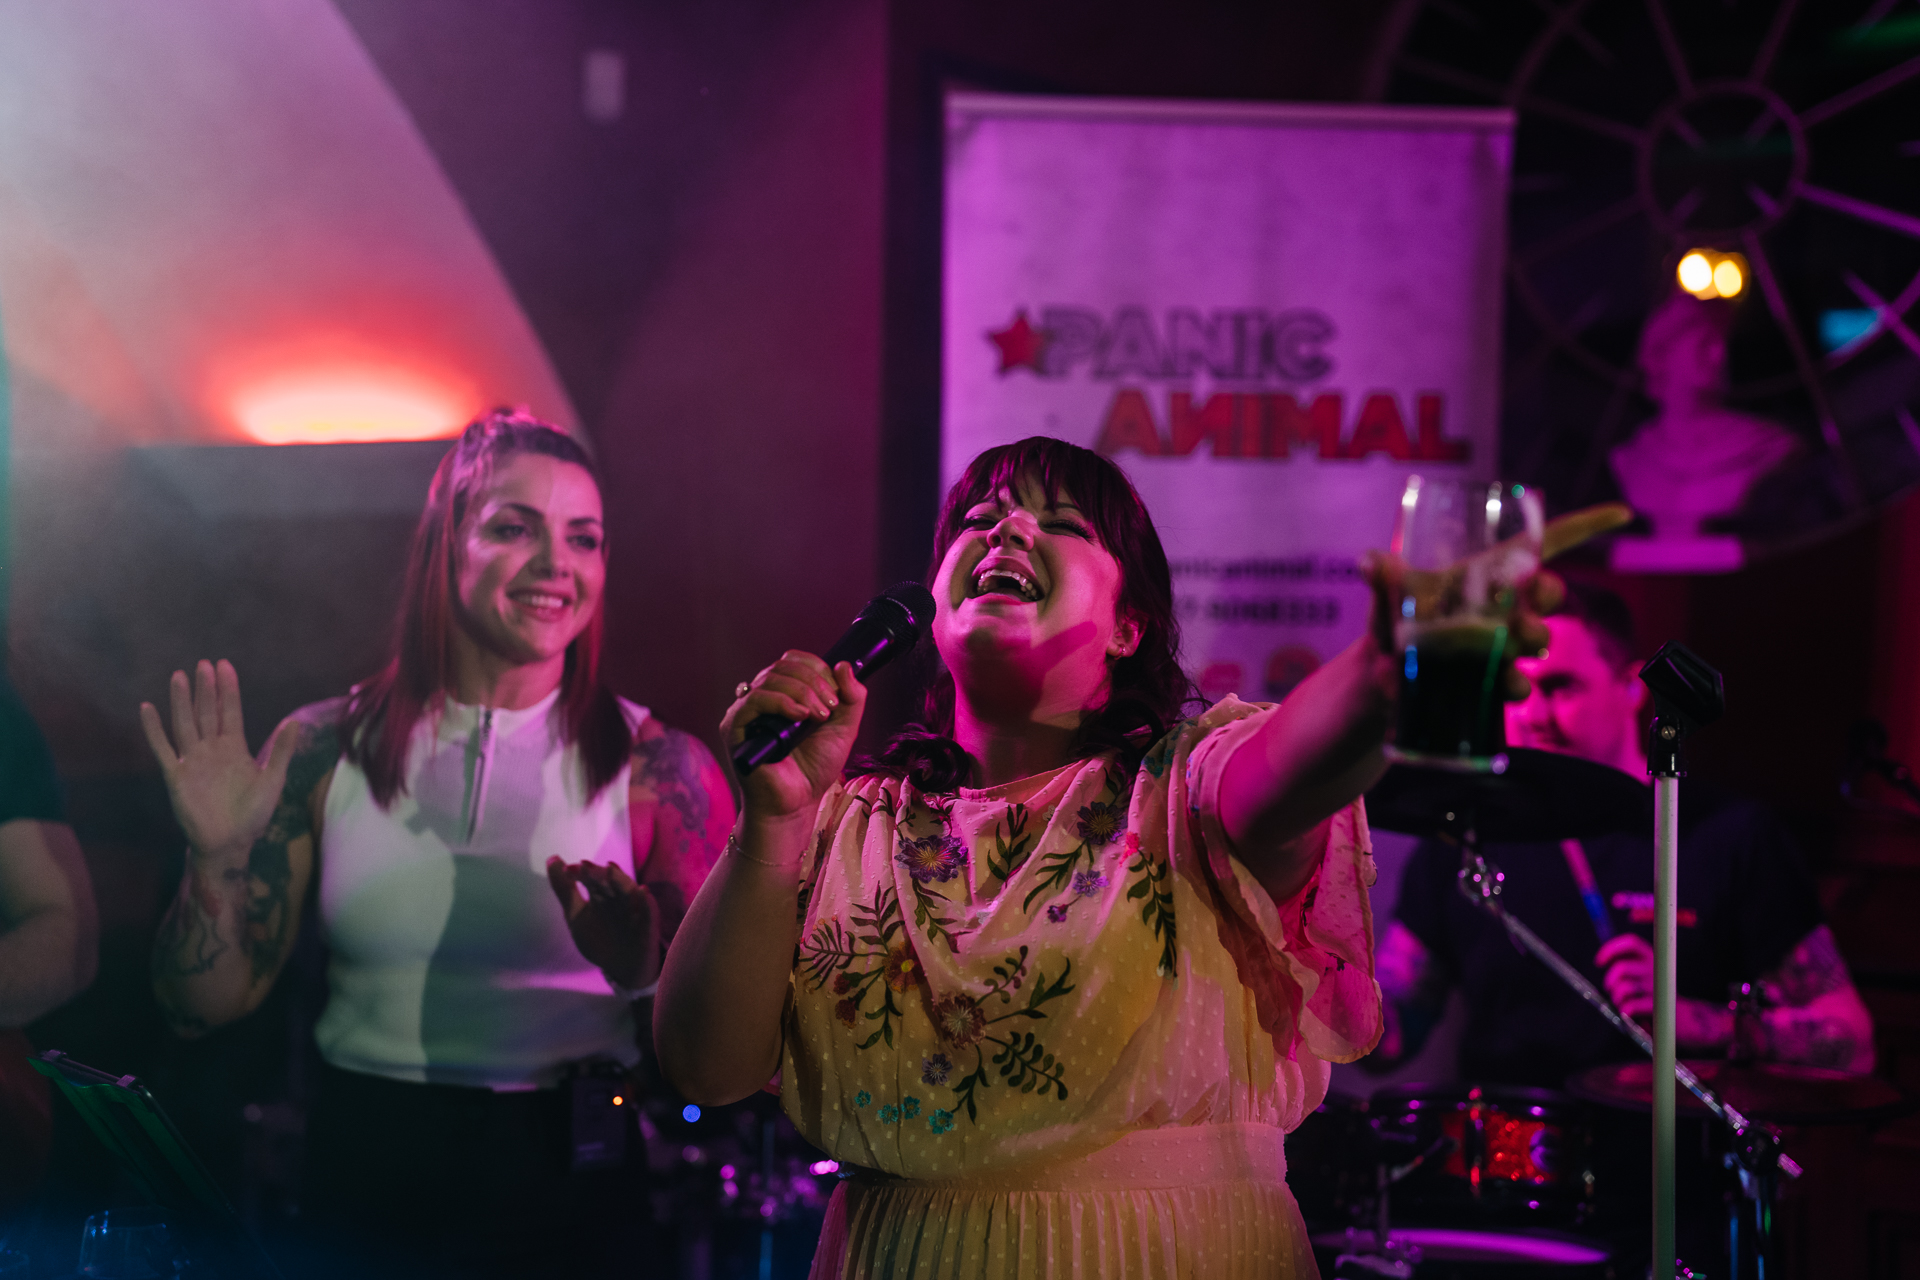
(1821, 1019)
(682, 810)
(1818, 1018)
(1415, 986)
(252, 829)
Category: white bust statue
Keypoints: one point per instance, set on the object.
(1696, 459)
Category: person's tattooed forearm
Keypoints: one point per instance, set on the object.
(1811, 969)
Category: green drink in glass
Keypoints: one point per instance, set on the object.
(1467, 547)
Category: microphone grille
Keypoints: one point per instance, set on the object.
(915, 599)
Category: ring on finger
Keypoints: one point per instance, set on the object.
(741, 690)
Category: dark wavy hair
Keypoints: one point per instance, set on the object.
(382, 713)
(1148, 690)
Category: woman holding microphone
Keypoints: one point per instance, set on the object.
(1057, 973)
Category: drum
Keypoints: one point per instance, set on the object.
(1450, 1253)
(1488, 1154)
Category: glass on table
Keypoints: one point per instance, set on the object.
(1467, 546)
(128, 1244)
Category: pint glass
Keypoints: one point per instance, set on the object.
(1467, 546)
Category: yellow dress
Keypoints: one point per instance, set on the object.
(1060, 1029)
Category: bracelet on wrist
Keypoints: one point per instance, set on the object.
(735, 848)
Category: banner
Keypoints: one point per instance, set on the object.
(1268, 315)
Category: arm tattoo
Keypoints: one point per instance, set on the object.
(1800, 1035)
(1811, 969)
(196, 931)
(670, 766)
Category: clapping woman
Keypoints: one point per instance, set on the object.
(1058, 973)
(500, 848)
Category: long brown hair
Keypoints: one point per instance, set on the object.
(383, 712)
(1147, 690)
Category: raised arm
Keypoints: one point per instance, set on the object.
(723, 991)
(251, 828)
(1323, 747)
(49, 927)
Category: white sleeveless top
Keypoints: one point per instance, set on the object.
(450, 959)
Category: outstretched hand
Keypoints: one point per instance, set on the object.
(614, 922)
(222, 795)
(1540, 594)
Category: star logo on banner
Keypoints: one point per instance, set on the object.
(1020, 344)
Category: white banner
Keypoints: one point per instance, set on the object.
(1269, 315)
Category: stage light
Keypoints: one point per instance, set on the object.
(619, 1101)
(1728, 279)
(690, 1113)
(1696, 275)
(1708, 273)
(341, 405)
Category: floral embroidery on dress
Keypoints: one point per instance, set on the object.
(935, 1068)
(1098, 824)
(1155, 893)
(830, 953)
(1011, 847)
(935, 859)
(1023, 1061)
(941, 1120)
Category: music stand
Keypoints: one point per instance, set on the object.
(128, 1120)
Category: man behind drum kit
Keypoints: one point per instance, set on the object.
(1746, 906)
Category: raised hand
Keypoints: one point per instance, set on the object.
(800, 687)
(614, 922)
(222, 795)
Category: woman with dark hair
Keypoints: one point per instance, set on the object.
(501, 848)
(1061, 969)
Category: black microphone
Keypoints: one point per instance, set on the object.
(889, 626)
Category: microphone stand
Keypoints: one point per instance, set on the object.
(1687, 693)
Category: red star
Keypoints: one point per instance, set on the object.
(1020, 344)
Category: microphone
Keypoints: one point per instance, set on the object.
(889, 626)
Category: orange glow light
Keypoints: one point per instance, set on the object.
(341, 405)
(1707, 273)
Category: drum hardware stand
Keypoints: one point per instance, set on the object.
(1382, 1257)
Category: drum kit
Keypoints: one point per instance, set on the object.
(1480, 1181)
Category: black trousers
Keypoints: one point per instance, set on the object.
(421, 1180)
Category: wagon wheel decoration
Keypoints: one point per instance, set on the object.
(1788, 134)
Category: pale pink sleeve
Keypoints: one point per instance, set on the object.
(1308, 960)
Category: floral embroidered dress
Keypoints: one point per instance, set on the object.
(1059, 1026)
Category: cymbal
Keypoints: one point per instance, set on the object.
(1541, 795)
(1783, 1092)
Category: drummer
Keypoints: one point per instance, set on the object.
(1746, 907)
